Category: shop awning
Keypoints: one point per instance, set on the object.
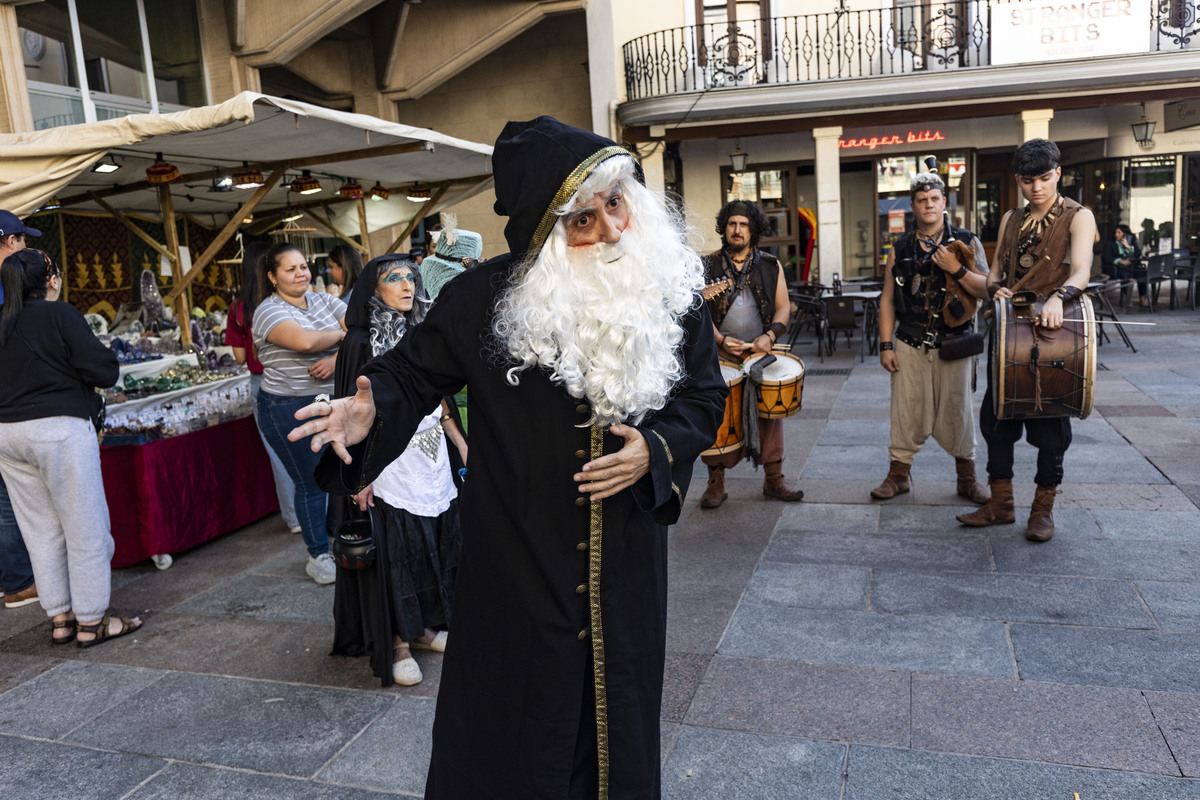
(212, 142)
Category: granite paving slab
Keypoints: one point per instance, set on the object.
(831, 491)
(1021, 598)
(17, 668)
(965, 552)
(843, 432)
(1083, 726)
(1133, 497)
(1107, 657)
(1178, 717)
(706, 764)
(926, 519)
(682, 673)
(259, 725)
(177, 781)
(1175, 605)
(877, 773)
(1183, 526)
(933, 644)
(392, 754)
(1097, 558)
(816, 701)
(829, 518)
(56, 702)
(52, 770)
(839, 461)
(271, 597)
(808, 586)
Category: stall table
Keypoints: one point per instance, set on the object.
(171, 495)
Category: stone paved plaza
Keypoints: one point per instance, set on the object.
(836, 649)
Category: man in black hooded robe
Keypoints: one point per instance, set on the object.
(588, 410)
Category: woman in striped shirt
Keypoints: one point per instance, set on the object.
(297, 333)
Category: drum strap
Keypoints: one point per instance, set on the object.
(750, 438)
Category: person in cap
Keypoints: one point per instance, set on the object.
(592, 373)
(750, 312)
(456, 250)
(16, 572)
(935, 277)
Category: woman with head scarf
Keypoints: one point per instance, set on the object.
(402, 601)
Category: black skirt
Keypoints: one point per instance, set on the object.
(410, 588)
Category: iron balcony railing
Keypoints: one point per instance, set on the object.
(844, 43)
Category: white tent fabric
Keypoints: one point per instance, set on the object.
(249, 127)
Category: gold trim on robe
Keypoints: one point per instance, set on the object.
(595, 548)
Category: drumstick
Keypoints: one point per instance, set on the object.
(1108, 322)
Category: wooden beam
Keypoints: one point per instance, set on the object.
(183, 317)
(328, 201)
(420, 215)
(226, 233)
(302, 163)
(145, 237)
(335, 231)
(362, 228)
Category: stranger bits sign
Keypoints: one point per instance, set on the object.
(1045, 30)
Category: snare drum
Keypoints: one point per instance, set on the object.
(1042, 373)
(782, 387)
(729, 435)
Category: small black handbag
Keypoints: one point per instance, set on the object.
(961, 345)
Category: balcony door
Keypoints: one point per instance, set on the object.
(731, 43)
(936, 33)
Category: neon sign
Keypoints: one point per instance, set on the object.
(911, 137)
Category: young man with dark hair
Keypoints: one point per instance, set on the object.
(930, 292)
(1045, 248)
(748, 318)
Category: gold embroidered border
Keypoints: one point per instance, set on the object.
(595, 536)
(568, 188)
(666, 447)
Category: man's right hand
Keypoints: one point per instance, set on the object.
(889, 361)
(340, 423)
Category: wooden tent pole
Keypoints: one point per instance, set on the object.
(226, 233)
(182, 316)
(362, 229)
(134, 229)
(335, 232)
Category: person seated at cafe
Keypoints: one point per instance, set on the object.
(1122, 256)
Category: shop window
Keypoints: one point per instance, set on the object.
(174, 33)
(893, 177)
(1189, 234)
(1151, 182)
(773, 189)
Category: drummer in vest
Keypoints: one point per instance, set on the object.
(1045, 248)
(937, 274)
(749, 315)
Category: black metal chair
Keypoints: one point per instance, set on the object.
(807, 310)
(1159, 268)
(1103, 308)
(841, 316)
(1186, 267)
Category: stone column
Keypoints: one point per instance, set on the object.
(1035, 124)
(827, 161)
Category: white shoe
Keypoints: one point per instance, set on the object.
(322, 569)
(294, 528)
(438, 645)
(406, 672)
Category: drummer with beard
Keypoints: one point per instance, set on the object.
(749, 315)
(593, 386)
(1045, 248)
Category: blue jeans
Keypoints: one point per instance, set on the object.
(16, 574)
(284, 489)
(276, 417)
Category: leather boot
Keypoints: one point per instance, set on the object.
(997, 510)
(715, 493)
(1041, 517)
(895, 483)
(968, 487)
(777, 486)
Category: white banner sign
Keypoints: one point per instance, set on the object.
(1044, 30)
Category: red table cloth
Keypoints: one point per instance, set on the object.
(171, 495)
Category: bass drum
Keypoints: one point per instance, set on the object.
(1040, 373)
(729, 435)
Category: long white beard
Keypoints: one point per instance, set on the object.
(604, 321)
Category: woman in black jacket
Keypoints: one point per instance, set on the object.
(49, 454)
(1121, 256)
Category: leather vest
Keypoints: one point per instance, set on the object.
(916, 302)
(763, 280)
(1052, 256)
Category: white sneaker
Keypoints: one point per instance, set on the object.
(322, 569)
(294, 528)
(406, 672)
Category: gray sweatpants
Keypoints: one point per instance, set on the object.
(52, 469)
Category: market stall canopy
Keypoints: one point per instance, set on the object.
(211, 143)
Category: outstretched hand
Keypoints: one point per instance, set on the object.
(609, 474)
(339, 423)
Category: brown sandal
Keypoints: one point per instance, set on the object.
(100, 629)
(60, 625)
